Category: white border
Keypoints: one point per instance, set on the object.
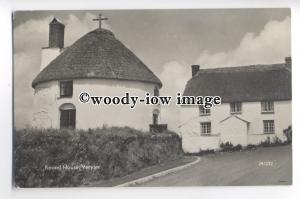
(6, 190)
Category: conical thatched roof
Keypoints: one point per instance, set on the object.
(98, 54)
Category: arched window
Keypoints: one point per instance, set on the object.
(156, 91)
(67, 116)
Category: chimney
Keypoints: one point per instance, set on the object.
(288, 62)
(56, 34)
(195, 69)
(56, 43)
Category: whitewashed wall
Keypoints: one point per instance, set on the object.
(47, 102)
(251, 112)
(233, 130)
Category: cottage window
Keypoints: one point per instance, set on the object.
(205, 128)
(236, 108)
(267, 107)
(66, 88)
(204, 111)
(268, 126)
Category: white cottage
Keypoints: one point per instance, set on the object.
(256, 104)
(99, 64)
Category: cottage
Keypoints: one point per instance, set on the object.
(97, 63)
(256, 104)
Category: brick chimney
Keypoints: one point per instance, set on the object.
(195, 69)
(56, 43)
(56, 34)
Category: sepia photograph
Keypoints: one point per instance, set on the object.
(152, 98)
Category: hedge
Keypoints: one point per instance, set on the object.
(115, 152)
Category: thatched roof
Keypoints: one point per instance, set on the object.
(98, 54)
(243, 84)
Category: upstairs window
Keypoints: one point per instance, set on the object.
(236, 108)
(204, 111)
(205, 128)
(268, 126)
(267, 107)
(66, 88)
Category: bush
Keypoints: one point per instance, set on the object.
(201, 152)
(116, 151)
(251, 146)
(237, 148)
(288, 134)
(229, 147)
(274, 142)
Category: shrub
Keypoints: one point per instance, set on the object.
(237, 148)
(227, 146)
(251, 146)
(117, 151)
(201, 152)
(207, 151)
(288, 134)
(274, 142)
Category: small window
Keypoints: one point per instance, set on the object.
(204, 111)
(66, 88)
(205, 128)
(236, 108)
(267, 107)
(268, 126)
(156, 91)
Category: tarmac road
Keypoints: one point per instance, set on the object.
(263, 166)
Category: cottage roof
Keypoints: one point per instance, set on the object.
(243, 84)
(98, 54)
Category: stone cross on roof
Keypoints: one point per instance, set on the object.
(100, 19)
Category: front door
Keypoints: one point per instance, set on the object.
(68, 119)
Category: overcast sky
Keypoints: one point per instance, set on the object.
(167, 41)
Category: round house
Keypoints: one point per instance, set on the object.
(99, 64)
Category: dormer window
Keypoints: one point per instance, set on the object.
(236, 108)
(66, 88)
(204, 111)
(267, 107)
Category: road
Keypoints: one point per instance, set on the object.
(263, 166)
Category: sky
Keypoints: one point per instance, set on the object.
(167, 41)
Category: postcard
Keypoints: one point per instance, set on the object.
(152, 98)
